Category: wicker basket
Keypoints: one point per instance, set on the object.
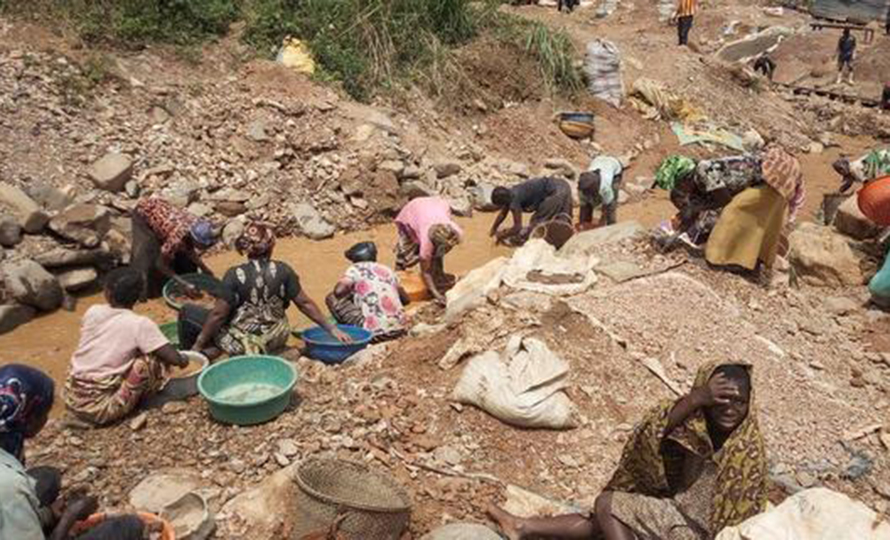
(370, 505)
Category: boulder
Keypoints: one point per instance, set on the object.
(482, 197)
(10, 231)
(86, 224)
(383, 191)
(823, 257)
(31, 217)
(256, 131)
(392, 165)
(61, 257)
(78, 279)
(29, 283)
(588, 242)
(267, 508)
(415, 189)
(111, 172)
(563, 167)
(160, 489)
(461, 206)
(410, 172)
(232, 231)
(462, 531)
(14, 315)
(49, 196)
(231, 208)
(311, 222)
(851, 221)
(444, 169)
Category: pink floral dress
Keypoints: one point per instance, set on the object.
(375, 290)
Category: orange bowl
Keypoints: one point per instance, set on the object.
(874, 200)
(414, 286)
(81, 527)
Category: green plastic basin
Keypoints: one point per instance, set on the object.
(247, 390)
(171, 332)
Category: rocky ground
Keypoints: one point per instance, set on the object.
(84, 133)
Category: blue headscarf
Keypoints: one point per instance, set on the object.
(25, 393)
(202, 233)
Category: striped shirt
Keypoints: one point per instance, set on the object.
(685, 8)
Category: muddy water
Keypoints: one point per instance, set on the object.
(49, 341)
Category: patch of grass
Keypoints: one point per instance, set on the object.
(555, 54)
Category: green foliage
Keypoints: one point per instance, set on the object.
(555, 54)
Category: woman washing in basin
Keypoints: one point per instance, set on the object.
(250, 316)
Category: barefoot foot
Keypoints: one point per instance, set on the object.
(511, 526)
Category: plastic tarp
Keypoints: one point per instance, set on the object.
(850, 10)
(688, 134)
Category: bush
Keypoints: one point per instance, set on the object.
(366, 44)
(137, 22)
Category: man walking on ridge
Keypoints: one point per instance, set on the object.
(684, 16)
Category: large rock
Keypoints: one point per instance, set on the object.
(10, 231)
(852, 222)
(462, 531)
(461, 206)
(31, 217)
(482, 197)
(414, 189)
(160, 489)
(78, 279)
(588, 242)
(311, 223)
(232, 231)
(49, 196)
(14, 315)
(112, 172)
(61, 257)
(267, 509)
(823, 257)
(29, 283)
(86, 224)
(444, 169)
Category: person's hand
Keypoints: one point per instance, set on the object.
(718, 391)
(83, 507)
(340, 335)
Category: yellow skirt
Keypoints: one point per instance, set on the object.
(749, 229)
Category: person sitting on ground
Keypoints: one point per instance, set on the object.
(166, 244)
(369, 295)
(122, 357)
(691, 468)
(549, 199)
(30, 508)
(868, 167)
(598, 187)
(427, 233)
(250, 313)
(846, 50)
(765, 65)
(748, 232)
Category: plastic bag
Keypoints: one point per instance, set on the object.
(603, 69)
(523, 387)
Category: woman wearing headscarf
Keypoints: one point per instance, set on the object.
(166, 244)
(692, 467)
(121, 359)
(26, 397)
(369, 295)
(748, 231)
(426, 234)
(250, 315)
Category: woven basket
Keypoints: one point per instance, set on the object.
(370, 505)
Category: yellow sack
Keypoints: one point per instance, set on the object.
(295, 55)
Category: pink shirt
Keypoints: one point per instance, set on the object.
(110, 341)
(422, 213)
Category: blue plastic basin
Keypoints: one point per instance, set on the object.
(322, 346)
(248, 390)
